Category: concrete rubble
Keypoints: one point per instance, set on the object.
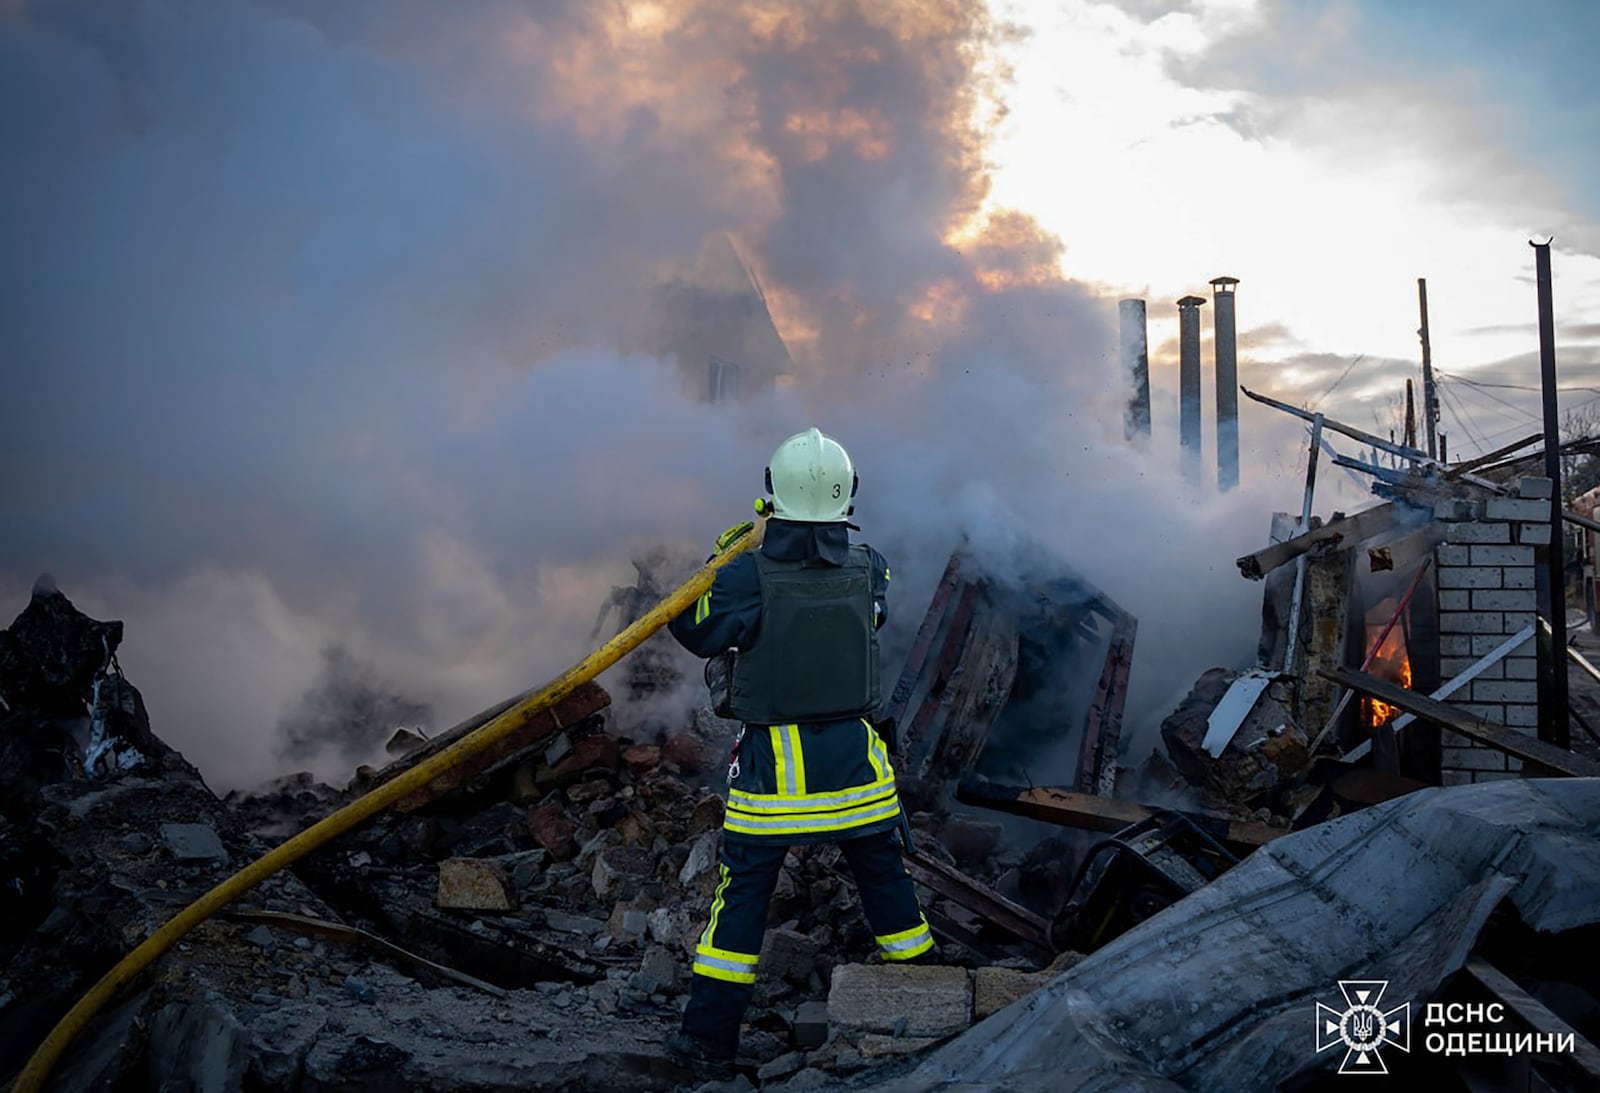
(527, 927)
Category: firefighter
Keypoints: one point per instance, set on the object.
(791, 633)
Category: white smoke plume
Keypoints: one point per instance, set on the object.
(322, 327)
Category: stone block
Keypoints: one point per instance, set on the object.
(1516, 508)
(1455, 599)
(1484, 644)
(1492, 775)
(474, 884)
(811, 1025)
(1519, 576)
(790, 955)
(1478, 532)
(1455, 645)
(1513, 764)
(1534, 488)
(1503, 599)
(1505, 690)
(620, 871)
(1494, 554)
(1533, 534)
(1486, 710)
(993, 989)
(1456, 554)
(1471, 622)
(1470, 576)
(193, 843)
(1455, 777)
(914, 1001)
(1471, 759)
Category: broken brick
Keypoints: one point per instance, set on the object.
(641, 758)
(551, 829)
(473, 884)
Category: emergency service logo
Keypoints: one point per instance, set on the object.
(1363, 1028)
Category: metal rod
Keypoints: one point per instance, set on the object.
(1292, 647)
(1553, 726)
(1430, 394)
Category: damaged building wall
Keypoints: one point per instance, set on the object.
(1486, 595)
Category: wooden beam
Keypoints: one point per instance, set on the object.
(1085, 810)
(1484, 460)
(1584, 1059)
(1521, 745)
(1352, 529)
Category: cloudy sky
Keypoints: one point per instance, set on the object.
(311, 311)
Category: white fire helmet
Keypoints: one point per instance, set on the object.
(811, 479)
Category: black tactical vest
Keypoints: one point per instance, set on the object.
(815, 657)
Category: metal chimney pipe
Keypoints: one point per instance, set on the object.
(1189, 385)
(1227, 355)
(1136, 371)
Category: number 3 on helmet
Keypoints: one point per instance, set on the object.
(807, 478)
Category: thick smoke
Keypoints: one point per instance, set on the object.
(318, 322)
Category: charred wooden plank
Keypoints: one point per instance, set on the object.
(1350, 530)
(1521, 745)
(1059, 806)
(350, 935)
(988, 904)
(1097, 763)
(535, 731)
(895, 708)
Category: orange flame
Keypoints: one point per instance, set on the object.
(1390, 663)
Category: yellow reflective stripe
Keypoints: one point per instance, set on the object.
(807, 824)
(725, 963)
(750, 959)
(716, 971)
(907, 943)
(702, 608)
(877, 755)
(885, 574)
(811, 802)
(798, 759)
(918, 930)
(716, 904)
(786, 758)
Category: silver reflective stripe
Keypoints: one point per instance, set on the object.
(738, 966)
(819, 823)
(905, 943)
(789, 785)
(749, 802)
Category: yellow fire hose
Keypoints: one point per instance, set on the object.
(43, 1060)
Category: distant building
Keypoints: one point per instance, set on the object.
(712, 318)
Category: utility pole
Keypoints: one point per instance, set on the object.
(1411, 416)
(1552, 589)
(1430, 394)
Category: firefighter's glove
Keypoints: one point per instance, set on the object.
(732, 536)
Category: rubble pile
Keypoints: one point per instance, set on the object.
(527, 927)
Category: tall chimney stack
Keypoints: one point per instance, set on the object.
(1189, 385)
(1136, 372)
(1227, 354)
